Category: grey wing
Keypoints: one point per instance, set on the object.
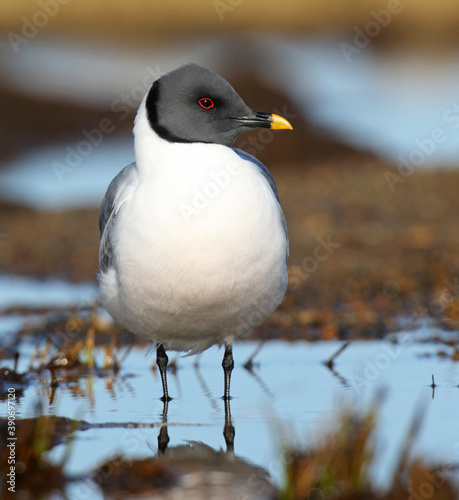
(263, 170)
(110, 204)
(267, 175)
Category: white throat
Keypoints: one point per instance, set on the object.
(148, 146)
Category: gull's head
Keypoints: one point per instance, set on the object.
(193, 104)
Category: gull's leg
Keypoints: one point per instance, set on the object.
(161, 361)
(228, 365)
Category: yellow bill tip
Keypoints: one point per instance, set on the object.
(279, 123)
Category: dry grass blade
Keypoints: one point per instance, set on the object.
(248, 365)
(44, 353)
(330, 363)
(69, 357)
(338, 466)
(89, 347)
(342, 457)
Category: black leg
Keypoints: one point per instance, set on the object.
(228, 365)
(228, 430)
(163, 436)
(161, 361)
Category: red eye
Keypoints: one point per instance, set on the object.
(206, 103)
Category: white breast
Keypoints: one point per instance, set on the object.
(199, 249)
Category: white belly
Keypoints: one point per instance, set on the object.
(199, 255)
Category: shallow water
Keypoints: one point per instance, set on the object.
(37, 178)
(389, 103)
(289, 396)
(16, 291)
(27, 294)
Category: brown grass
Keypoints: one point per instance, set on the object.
(35, 475)
(337, 467)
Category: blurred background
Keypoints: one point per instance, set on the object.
(368, 180)
(369, 172)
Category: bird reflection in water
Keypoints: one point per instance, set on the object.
(228, 429)
(206, 472)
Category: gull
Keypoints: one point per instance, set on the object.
(194, 245)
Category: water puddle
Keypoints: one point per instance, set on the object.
(287, 397)
(59, 176)
(17, 291)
